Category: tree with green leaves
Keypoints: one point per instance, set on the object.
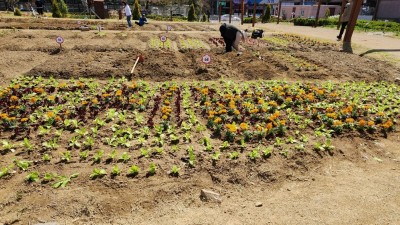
(63, 8)
(136, 11)
(267, 14)
(191, 14)
(55, 9)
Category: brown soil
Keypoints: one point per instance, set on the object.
(349, 187)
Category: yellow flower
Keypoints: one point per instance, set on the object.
(204, 91)
(231, 127)
(62, 85)
(95, 101)
(132, 100)
(273, 103)
(58, 118)
(244, 126)
(269, 126)
(217, 120)
(84, 102)
(337, 123)
(3, 115)
(17, 86)
(260, 101)
(236, 112)
(349, 120)
(207, 103)
(38, 90)
(105, 95)
(24, 119)
(166, 102)
(371, 123)
(282, 122)
(164, 117)
(51, 97)
(118, 93)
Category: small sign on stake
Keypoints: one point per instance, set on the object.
(206, 59)
(60, 40)
(169, 28)
(163, 39)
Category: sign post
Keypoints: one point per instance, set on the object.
(163, 39)
(60, 40)
(206, 59)
(169, 28)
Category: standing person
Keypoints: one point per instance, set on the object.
(142, 20)
(39, 6)
(231, 36)
(345, 18)
(128, 13)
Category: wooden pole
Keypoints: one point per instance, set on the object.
(341, 13)
(254, 11)
(137, 60)
(279, 11)
(230, 11)
(219, 13)
(350, 26)
(316, 18)
(242, 5)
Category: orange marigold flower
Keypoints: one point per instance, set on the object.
(33, 100)
(273, 103)
(95, 101)
(282, 122)
(288, 99)
(349, 120)
(269, 126)
(388, 124)
(38, 90)
(50, 114)
(84, 102)
(204, 91)
(371, 123)
(118, 93)
(17, 86)
(132, 100)
(207, 103)
(14, 98)
(58, 118)
(331, 115)
(51, 97)
(260, 101)
(105, 95)
(329, 110)
(24, 119)
(362, 122)
(3, 115)
(244, 126)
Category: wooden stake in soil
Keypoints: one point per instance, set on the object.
(134, 66)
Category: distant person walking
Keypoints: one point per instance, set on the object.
(231, 36)
(345, 18)
(128, 13)
(142, 20)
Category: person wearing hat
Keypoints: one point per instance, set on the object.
(232, 36)
(142, 20)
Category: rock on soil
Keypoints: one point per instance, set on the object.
(207, 195)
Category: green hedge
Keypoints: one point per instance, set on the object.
(361, 24)
(166, 18)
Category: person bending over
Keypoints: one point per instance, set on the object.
(231, 36)
(142, 20)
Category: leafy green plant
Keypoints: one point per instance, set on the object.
(97, 157)
(152, 169)
(7, 146)
(32, 177)
(233, 155)
(175, 170)
(83, 155)
(145, 153)
(267, 152)
(66, 156)
(97, 173)
(46, 158)
(27, 144)
(253, 155)
(133, 171)
(5, 171)
(125, 157)
(62, 181)
(23, 165)
(215, 156)
(115, 171)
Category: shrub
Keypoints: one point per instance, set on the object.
(63, 8)
(136, 11)
(191, 14)
(267, 15)
(55, 9)
(17, 12)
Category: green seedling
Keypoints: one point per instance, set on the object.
(98, 173)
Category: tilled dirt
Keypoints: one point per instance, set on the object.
(349, 187)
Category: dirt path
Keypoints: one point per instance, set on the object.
(362, 41)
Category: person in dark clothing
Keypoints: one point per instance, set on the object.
(142, 20)
(231, 36)
(39, 6)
